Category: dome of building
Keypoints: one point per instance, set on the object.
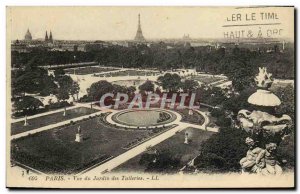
(264, 98)
(28, 35)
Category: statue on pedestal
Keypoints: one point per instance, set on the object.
(269, 160)
(186, 139)
(79, 136)
(64, 114)
(267, 130)
(249, 163)
(25, 121)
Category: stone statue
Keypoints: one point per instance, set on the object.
(79, 130)
(79, 136)
(249, 163)
(186, 138)
(268, 159)
(25, 121)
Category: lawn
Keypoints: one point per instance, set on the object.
(55, 151)
(49, 119)
(206, 79)
(130, 73)
(196, 118)
(220, 82)
(277, 85)
(175, 145)
(88, 70)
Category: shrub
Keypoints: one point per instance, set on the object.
(223, 151)
(286, 151)
(216, 112)
(223, 121)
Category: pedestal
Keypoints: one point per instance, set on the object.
(79, 137)
(186, 141)
(25, 121)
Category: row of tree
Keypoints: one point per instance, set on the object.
(226, 61)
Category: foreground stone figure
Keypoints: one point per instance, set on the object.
(261, 161)
(269, 160)
(249, 163)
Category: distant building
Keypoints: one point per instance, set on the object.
(50, 38)
(96, 46)
(19, 47)
(186, 37)
(28, 36)
(139, 34)
(46, 37)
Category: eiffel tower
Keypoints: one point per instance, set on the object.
(139, 34)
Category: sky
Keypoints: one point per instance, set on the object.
(120, 23)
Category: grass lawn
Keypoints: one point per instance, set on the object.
(18, 115)
(55, 150)
(175, 146)
(130, 73)
(277, 85)
(206, 79)
(219, 83)
(42, 121)
(89, 70)
(196, 118)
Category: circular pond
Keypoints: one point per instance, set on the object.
(144, 118)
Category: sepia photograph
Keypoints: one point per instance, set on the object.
(150, 97)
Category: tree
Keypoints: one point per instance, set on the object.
(27, 104)
(63, 95)
(163, 162)
(65, 82)
(75, 89)
(49, 87)
(286, 95)
(222, 151)
(189, 85)
(239, 101)
(241, 79)
(170, 82)
(239, 70)
(31, 80)
(212, 96)
(131, 90)
(148, 86)
(59, 72)
(98, 89)
(119, 89)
